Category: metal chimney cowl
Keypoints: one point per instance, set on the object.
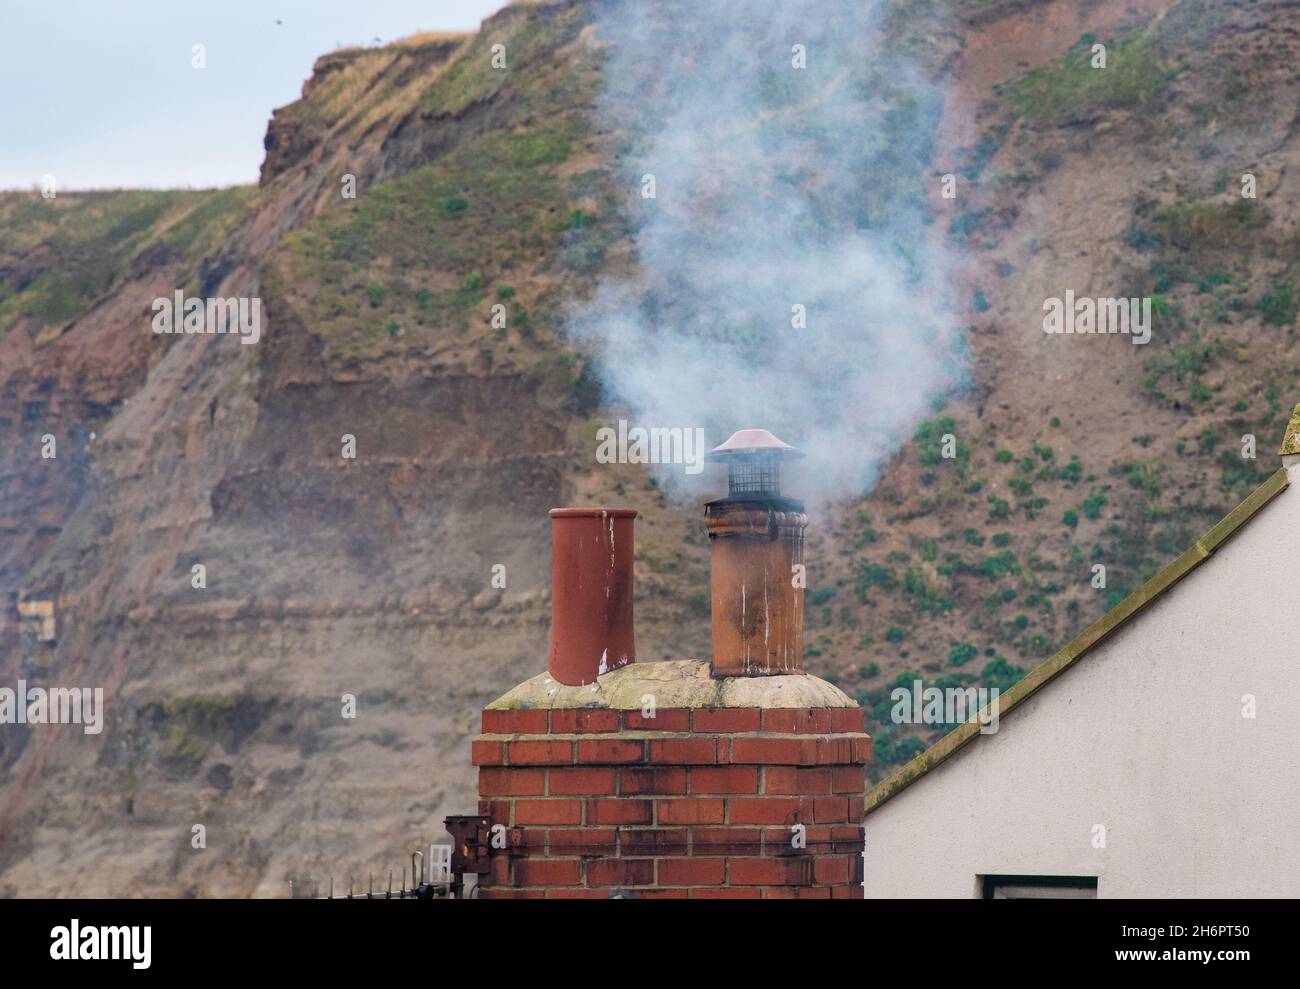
(756, 557)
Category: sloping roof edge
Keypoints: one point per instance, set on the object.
(1097, 632)
(1291, 438)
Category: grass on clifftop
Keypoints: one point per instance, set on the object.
(429, 253)
(58, 255)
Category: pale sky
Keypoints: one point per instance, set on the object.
(101, 93)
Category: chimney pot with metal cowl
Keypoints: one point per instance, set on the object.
(591, 593)
(756, 545)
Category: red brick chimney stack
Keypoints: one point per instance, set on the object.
(743, 777)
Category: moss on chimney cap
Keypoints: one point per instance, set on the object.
(673, 683)
(1291, 438)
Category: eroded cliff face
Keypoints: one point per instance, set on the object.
(371, 576)
(325, 575)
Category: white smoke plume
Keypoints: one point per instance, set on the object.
(775, 187)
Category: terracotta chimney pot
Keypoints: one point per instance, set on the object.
(591, 593)
(755, 548)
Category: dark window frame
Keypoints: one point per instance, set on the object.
(990, 883)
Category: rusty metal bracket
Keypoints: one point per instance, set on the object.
(471, 835)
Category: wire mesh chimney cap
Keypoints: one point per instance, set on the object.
(745, 443)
